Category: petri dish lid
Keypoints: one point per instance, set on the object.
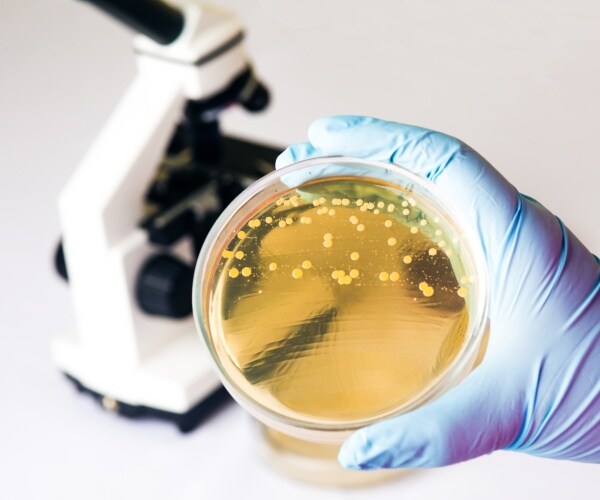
(336, 292)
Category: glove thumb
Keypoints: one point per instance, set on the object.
(471, 420)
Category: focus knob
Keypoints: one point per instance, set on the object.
(256, 99)
(60, 263)
(164, 287)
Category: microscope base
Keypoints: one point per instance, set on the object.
(185, 422)
(175, 384)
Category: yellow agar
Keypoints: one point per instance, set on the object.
(339, 343)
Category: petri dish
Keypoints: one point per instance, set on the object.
(337, 292)
(313, 462)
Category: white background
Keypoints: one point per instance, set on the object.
(518, 80)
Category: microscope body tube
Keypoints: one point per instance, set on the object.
(156, 19)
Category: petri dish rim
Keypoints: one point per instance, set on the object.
(289, 178)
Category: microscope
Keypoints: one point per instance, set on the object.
(136, 211)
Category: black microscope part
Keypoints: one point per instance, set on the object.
(201, 229)
(166, 234)
(245, 89)
(209, 158)
(60, 263)
(155, 19)
(185, 422)
(164, 287)
(173, 195)
(256, 99)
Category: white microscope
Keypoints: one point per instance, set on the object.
(139, 205)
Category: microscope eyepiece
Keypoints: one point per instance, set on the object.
(154, 18)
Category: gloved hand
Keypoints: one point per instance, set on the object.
(538, 387)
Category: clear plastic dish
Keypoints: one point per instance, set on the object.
(337, 292)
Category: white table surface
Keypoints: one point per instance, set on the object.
(517, 80)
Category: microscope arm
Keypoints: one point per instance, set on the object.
(100, 211)
(142, 362)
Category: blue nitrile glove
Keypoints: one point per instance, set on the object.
(538, 387)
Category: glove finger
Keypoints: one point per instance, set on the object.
(472, 419)
(296, 152)
(472, 185)
(420, 150)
